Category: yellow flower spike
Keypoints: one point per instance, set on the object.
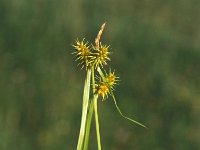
(82, 53)
(106, 84)
(111, 79)
(103, 90)
(100, 56)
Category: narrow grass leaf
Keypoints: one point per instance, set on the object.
(84, 110)
(88, 124)
(97, 122)
(136, 122)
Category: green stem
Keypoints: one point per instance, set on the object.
(90, 113)
(96, 112)
(88, 124)
(97, 123)
(93, 106)
(84, 110)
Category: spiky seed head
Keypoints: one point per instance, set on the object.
(82, 52)
(102, 90)
(100, 56)
(111, 79)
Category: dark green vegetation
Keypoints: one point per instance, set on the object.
(156, 53)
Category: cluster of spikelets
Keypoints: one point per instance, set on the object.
(96, 56)
(90, 55)
(106, 84)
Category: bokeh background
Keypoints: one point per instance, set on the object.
(156, 53)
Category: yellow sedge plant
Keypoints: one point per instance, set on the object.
(93, 57)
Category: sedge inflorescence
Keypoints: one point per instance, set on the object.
(100, 55)
(82, 52)
(89, 55)
(102, 90)
(96, 56)
(106, 84)
(111, 79)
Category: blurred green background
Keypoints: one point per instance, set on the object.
(156, 53)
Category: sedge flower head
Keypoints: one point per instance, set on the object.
(106, 84)
(82, 52)
(111, 79)
(102, 90)
(100, 55)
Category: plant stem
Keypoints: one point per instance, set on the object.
(88, 124)
(97, 123)
(84, 110)
(96, 117)
(90, 113)
(93, 106)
